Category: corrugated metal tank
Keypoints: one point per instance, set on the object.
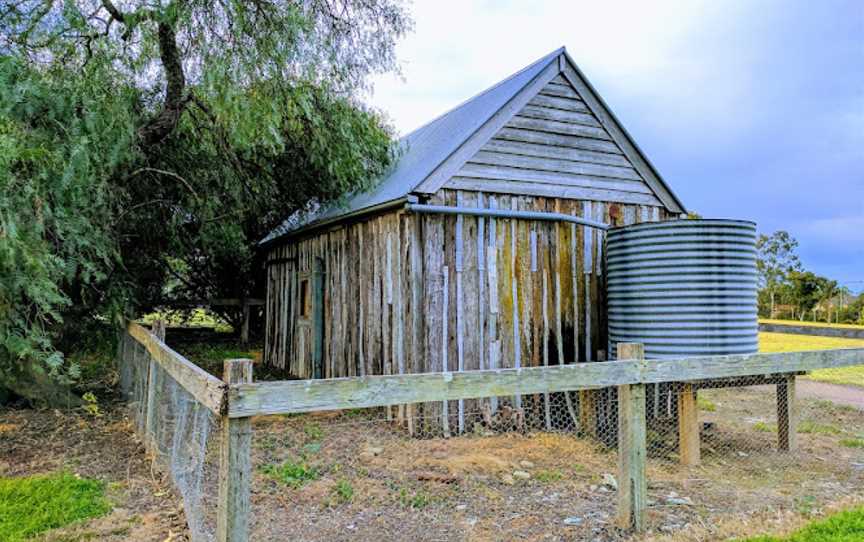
(683, 287)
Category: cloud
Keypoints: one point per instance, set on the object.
(748, 109)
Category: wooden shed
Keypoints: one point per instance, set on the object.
(473, 251)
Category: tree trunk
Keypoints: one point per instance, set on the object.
(37, 388)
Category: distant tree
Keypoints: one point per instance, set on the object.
(142, 140)
(776, 259)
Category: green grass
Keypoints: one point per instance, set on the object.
(765, 427)
(193, 318)
(211, 357)
(852, 442)
(548, 476)
(292, 474)
(788, 342)
(811, 324)
(846, 526)
(344, 491)
(705, 404)
(34, 504)
(818, 428)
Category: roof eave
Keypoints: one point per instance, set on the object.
(329, 222)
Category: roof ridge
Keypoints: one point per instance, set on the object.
(554, 53)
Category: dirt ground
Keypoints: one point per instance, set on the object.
(356, 476)
(465, 488)
(104, 448)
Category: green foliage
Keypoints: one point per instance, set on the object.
(417, 500)
(146, 147)
(763, 427)
(34, 504)
(344, 491)
(293, 474)
(852, 442)
(705, 404)
(808, 426)
(847, 526)
(548, 476)
(787, 290)
(776, 259)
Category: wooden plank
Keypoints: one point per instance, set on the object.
(514, 297)
(443, 172)
(787, 415)
(622, 138)
(559, 140)
(153, 392)
(548, 113)
(559, 102)
(235, 464)
(344, 393)
(632, 448)
(548, 190)
(204, 387)
(560, 91)
(553, 151)
(494, 158)
(561, 128)
(460, 309)
(557, 178)
(688, 425)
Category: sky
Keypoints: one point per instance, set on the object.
(750, 109)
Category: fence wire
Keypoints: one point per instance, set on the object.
(518, 467)
(180, 433)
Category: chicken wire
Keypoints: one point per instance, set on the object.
(512, 467)
(180, 433)
(408, 471)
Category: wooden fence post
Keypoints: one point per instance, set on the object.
(688, 426)
(235, 464)
(787, 416)
(244, 327)
(150, 440)
(632, 483)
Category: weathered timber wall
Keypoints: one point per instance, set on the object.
(405, 293)
(555, 147)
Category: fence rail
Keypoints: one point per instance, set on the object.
(286, 397)
(236, 399)
(821, 331)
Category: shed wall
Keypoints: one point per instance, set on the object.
(418, 293)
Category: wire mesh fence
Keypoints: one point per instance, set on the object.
(530, 466)
(178, 432)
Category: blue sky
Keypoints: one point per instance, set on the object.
(749, 109)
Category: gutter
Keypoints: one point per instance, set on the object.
(409, 203)
(504, 213)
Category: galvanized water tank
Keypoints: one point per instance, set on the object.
(683, 287)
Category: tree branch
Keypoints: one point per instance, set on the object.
(163, 172)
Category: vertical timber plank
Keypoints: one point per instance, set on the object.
(235, 464)
(632, 483)
(787, 416)
(688, 425)
(150, 440)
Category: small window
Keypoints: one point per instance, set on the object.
(305, 299)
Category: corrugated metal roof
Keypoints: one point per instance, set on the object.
(423, 150)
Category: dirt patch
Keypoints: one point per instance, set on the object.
(836, 393)
(467, 488)
(104, 448)
(355, 476)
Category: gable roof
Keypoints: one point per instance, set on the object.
(431, 153)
